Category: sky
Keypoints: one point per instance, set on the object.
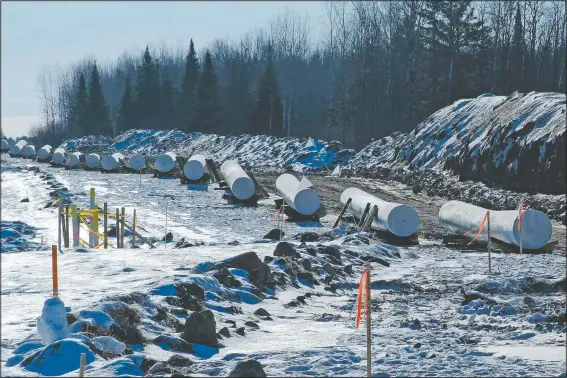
(42, 34)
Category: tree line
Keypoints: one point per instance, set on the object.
(380, 67)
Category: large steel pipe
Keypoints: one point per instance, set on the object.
(238, 181)
(298, 194)
(111, 162)
(137, 162)
(93, 160)
(195, 167)
(29, 151)
(398, 219)
(44, 152)
(17, 148)
(5, 145)
(58, 156)
(459, 217)
(165, 162)
(74, 159)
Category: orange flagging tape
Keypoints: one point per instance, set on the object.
(521, 209)
(479, 229)
(361, 296)
(276, 215)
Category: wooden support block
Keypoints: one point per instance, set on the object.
(344, 209)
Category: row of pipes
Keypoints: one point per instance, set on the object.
(398, 219)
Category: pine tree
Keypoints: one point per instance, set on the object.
(99, 123)
(188, 86)
(516, 73)
(147, 90)
(79, 113)
(267, 118)
(208, 111)
(167, 104)
(126, 114)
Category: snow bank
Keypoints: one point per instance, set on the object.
(517, 142)
(59, 358)
(16, 236)
(258, 151)
(52, 324)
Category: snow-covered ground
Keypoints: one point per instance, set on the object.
(436, 311)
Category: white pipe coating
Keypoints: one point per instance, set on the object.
(58, 156)
(195, 167)
(93, 160)
(29, 150)
(137, 162)
(44, 152)
(298, 195)
(398, 219)
(238, 181)
(460, 217)
(74, 159)
(165, 162)
(17, 148)
(5, 145)
(111, 162)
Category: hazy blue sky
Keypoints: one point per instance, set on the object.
(38, 34)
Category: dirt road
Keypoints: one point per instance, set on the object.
(330, 189)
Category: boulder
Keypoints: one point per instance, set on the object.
(200, 328)
(226, 278)
(173, 343)
(274, 234)
(306, 264)
(240, 331)
(330, 269)
(224, 332)
(190, 288)
(307, 277)
(331, 251)
(178, 360)
(248, 368)
(168, 237)
(307, 236)
(261, 312)
(285, 249)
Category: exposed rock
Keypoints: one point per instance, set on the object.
(330, 269)
(231, 322)
(307, 237)
(25, 200)
(374, 259)
(312, 251)
(529, 301)
(168, 237)
(174, 343)
(285, 249)
(200, 328)
(224, 332)
(268, 259)
(261, 312)
(306, 264)
(252, 324)
(249, 262)
(274, 234)
(348, 269)
(226, 278)
(240, 331)
(281, 261)
(307, 277)
(331, 251)
(188, 302)
(417, 345)
(248, 368)
(190, 288)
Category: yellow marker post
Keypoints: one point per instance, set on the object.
(91, 218)
(54, 270)
(95, 224)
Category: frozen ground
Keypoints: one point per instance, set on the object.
(436, 312)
